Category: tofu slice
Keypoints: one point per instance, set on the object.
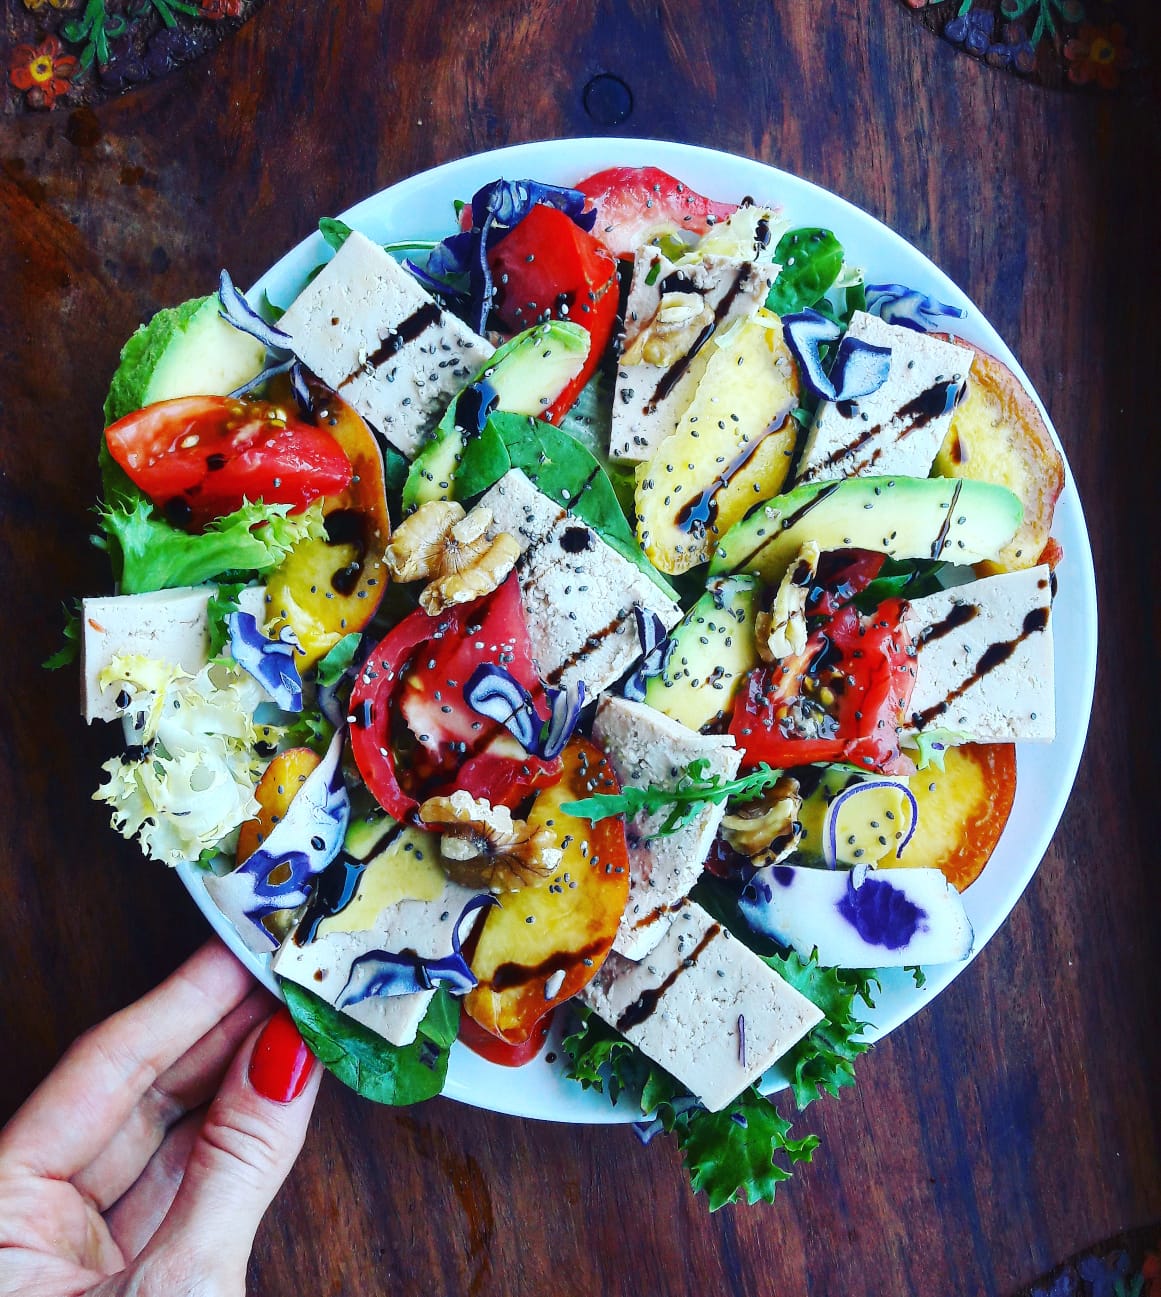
(364, 326)
(646, 747)
(703, 1006)
(898, 429)
(169, 626)
(403, 902)
(644, 415)
(984, 658)
(578, 592)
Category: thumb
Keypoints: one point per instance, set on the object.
(253, 1132)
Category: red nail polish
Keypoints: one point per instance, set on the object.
(281, 1063)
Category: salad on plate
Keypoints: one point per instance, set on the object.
(598, 636)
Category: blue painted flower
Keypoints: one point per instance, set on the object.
(972, 29)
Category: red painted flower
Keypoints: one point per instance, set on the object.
(1151, 1273)
(221, 8)
(43, 71)
(1097, 54)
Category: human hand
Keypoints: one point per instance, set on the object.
(116, 1179)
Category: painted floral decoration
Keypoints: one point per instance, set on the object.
(1055, 42)
(42, 71)
(1097, 54)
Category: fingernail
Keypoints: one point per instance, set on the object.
(281, 1063)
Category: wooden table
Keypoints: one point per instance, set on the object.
(1018, 1119)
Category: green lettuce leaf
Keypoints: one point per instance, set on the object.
(741, 1151)
(734, 1152)
(149, 554)
(140, 355)
(394, 1074)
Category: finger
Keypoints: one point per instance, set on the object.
(189, 1083)
(135, 1217)
(89, 1095)
(251, 1136)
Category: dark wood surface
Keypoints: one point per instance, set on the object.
(1014, 1122)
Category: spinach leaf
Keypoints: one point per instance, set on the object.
(394, 1074)
(560, 467)
(335, 232)
(811, 260)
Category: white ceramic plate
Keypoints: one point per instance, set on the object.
(421, 207)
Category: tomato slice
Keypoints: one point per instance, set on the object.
(199, 457)
(842, 699)
(637, 204)
(500, 1051)
(413, 735)
(549, 268)
(842, 574)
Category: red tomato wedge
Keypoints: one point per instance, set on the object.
(549, 268)
(842, 699)
(413, 735)
(637, 204)
(499, 1051)
(199, 457)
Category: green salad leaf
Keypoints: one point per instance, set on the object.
(691, 792)
(223, 602)
(737, 1152)
(334, 231)
(394, 1074)
(811, 260)
(589, 420)
(149, 554)
(70, 650)
(141, 354)
(560, 467)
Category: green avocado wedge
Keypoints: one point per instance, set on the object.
(186, 350)
(527, 374)
(958, 521)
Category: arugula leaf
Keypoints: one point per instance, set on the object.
(394, 1074)
(152, 555)
(811, 260)
(691, 792)
(70, 650)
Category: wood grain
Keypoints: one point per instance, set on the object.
(1016, 1120)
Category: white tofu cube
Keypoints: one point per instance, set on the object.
(647, 748)
(367, 328)
(983, 662)
(898, 429)
(578, 592)
(650, 398)
(703, 1006)
(168, 626)
(402, 903)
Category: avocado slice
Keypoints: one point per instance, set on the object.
(526, 374)
(713, 649)
(958, 521)
(186, 350)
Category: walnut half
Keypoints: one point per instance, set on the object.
(767, 830)
(483, 846)
(452, 552)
